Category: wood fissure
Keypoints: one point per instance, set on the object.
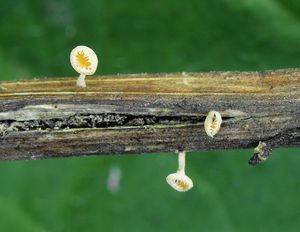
(98, 121)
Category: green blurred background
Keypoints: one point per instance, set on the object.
(134, 36)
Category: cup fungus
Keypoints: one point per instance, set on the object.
(212, 123)
(84, 61)
(179, 181)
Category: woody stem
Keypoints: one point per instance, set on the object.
(148, 113)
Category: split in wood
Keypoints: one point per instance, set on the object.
(24, 120)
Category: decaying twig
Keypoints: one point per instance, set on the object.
(147, 113)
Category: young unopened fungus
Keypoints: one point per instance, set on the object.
(261, 153)
(179, 181)
(84, 61)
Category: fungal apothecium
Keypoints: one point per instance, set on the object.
(178, 180)
(84, 60)
(212, 123)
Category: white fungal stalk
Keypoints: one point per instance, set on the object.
(81, 81)
(212, 123)
(84, 60)
(179, 181)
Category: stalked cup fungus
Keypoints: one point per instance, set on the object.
(212, 123)
(84, 61)
(178, 180)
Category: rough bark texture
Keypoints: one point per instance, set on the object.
(147, 113)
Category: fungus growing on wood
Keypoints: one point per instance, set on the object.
(84, 61)
(212, 123)
(178, 180)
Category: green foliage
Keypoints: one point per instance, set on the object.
(132, 36)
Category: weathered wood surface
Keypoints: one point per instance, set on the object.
(147, 113)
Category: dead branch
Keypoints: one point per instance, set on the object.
(148, 113)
